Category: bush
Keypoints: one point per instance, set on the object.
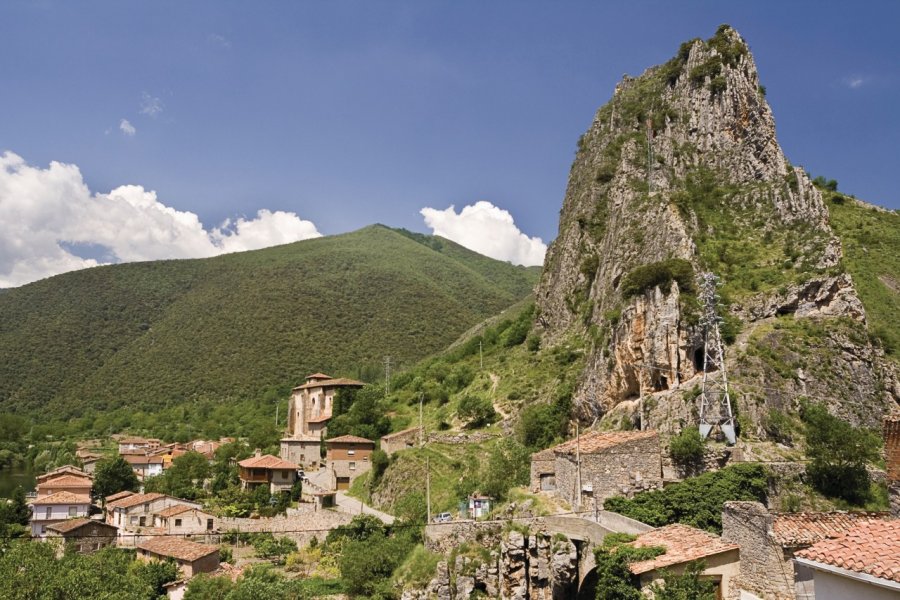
(660, 274)
(541, 425)
(477, 412)
(696, 501)
(687, 447)
(838, 454)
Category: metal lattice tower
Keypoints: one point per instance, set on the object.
(715, 404)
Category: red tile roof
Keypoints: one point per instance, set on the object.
(318, 376)
(805, 528)
(321, 419)
(66, 481)
(118, 496)
(598, 441)
(871, 548)
(62, 498)
(73, 524)
(682, 543)
(177, 548)
(133, 459)
(135, 499)
(60, 471)
(349, 439)
(267, 461)
(174, 510)
(330, 382)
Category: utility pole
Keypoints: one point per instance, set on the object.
(387, 375)
(480, 356)
(276, 414)
(427, 490)
(421, 422)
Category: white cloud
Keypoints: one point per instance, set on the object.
(218, 40)
(150, 105)
(127, 128)
(46, 213)
(486, 229)
(855, 82)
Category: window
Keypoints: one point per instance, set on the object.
(177, 522)
(143, 521)
(351, 452)
(48, 513)
(352, 466)
(43, 530)
(209, 524)
(73, 511)
(134, 520)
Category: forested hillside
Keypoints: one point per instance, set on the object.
(150, 335)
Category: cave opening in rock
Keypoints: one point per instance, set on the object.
(698, 358)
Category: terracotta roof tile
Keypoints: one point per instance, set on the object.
(134, 459)
(267, 461)
(66, 481)
(682, 543)
(318, 376)
(302, 437)
(73, 524)
(548, 454)
(598, 441)
(330, 382)
(805, 528)
(320, 419)
(62, 498)
(60, 471)
(349, 439)
(135, 499)
(872, 548)
(177, 548)
(119, 496)
(174, 510)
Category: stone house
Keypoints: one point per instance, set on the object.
(304, 450)
(862, 564)
(144, 465)
(598, 465)
(138, 511)
(84, 535)
(57, 507)
(400, 440)
(891, 431)
(683, 545)
(80, 485)
(311, 404)
(63, 470)
(192, 558)
(543, 471)
(770, 540)
(132, 443)
(181, 519)
(348, 457)
(279, 475)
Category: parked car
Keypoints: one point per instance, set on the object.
(443, 517)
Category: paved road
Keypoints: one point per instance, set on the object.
(353, 506)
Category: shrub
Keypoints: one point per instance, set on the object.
(687, 447)
(476, 411)
(660, 274)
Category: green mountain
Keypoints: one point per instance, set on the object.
(149, 335)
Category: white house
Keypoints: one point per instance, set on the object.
(57, 507)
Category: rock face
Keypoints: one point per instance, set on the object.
(683, 163)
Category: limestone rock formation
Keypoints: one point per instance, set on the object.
(681, 173)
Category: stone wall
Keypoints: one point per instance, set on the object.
(408, 438)
(892, 447)
(622, 470)
(448, 437)
(541, 465)
(765, 570)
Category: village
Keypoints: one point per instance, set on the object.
(761, 553)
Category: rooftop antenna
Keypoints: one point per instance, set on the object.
(715, 403)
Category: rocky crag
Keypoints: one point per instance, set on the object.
(681, 173)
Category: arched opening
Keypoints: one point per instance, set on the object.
(660, 383)
(588, 588)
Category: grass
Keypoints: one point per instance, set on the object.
(128, 335)
(871, 242)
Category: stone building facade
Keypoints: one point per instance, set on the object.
(311, 404)
(599, 465)
(543, 471)
(769, 541)
(401, 440)
(303, 450)
(892, 460)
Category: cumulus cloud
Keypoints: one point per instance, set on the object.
(127, 128)
(218, 40)
(855, 82)
(486, 229)
(150, 105)
(47, 215)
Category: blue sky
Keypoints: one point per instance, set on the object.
(350, 113)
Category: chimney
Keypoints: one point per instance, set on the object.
(257, 453)
(892, 460)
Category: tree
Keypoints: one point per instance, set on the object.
(687, 447)
(113, 475)
(477, 411)
(838, 454)
(184, 478)
(508, 466)
(687, 586)
(155, 574)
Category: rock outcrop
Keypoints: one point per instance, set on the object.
(683, 164)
